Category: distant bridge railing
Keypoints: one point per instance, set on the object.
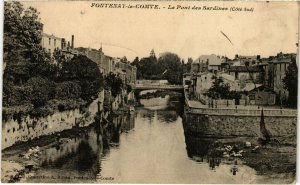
(149, 86)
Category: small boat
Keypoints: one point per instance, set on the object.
(131, 110)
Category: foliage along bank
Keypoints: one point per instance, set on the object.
(38, 84)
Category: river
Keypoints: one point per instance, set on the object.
(149, 146)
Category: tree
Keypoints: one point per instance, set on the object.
(68, 90)
(189, 64)
(135, 61)
(290, 82)
(114, 84)
(172, 66)
(59, 57)
(124, 59)
(219, 89)
(41, 90)
(148, 68)
(22, 28)
(21, 45)
(82, 69)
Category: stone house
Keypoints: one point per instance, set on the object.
(51, 42)
(207, 62)
(247, 73)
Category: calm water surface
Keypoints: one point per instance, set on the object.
(148, 146)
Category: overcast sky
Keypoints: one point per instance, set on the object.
(271, 28)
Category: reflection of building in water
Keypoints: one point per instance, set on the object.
(197, 147)
(99, 159)
(52, 155)
(149, 114)
(128, 123)
(167, 116)
(205, 150)
(77, 150)
(214, 162)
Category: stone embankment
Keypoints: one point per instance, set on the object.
(17, 131)
(19, 156)
(222, 122)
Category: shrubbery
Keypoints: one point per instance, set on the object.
(30, 80)
(114, 84)
(68, 89)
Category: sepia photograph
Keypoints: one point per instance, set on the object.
(159, 92)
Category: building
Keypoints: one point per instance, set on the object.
(105, 63)
(199, 67)
(121, 74)
(93, 54)
(108, 64)
(51, 42)
(277, 69)
(229, 79)
(240, 60)
(211, 63)
(246, 73)
(129, 70)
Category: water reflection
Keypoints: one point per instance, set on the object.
(205, 150)
(149, 146)
(167, 116)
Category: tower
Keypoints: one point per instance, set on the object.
(100, 48)
(152, 53)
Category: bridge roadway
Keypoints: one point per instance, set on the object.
(152, 87)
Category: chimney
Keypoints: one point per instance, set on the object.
(72, 42)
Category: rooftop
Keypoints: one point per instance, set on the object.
(244, 69)
(212, 59)
(50, 36)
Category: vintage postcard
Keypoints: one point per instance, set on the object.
(163, 92)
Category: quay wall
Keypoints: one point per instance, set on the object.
(14, 131)
(227, 122)
(239, 125)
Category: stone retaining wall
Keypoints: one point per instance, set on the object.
(14, 131)
(239, 125)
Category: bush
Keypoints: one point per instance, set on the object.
(87, 72)
(42, 90)
(67, 90)
(15, 95)
(113, 83)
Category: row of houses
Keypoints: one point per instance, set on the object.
(243, 73)
(106, 64)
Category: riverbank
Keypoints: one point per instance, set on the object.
(21, 160)
(274, 161)
(233, 122)
(16, 161)
(230, 129)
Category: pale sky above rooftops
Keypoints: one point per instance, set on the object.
(271, 28)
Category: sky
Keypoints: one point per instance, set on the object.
(269, 29)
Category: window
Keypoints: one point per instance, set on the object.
(49, 41)
(54, 42)
(279, 67)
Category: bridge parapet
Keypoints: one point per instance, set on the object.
(150, 87)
